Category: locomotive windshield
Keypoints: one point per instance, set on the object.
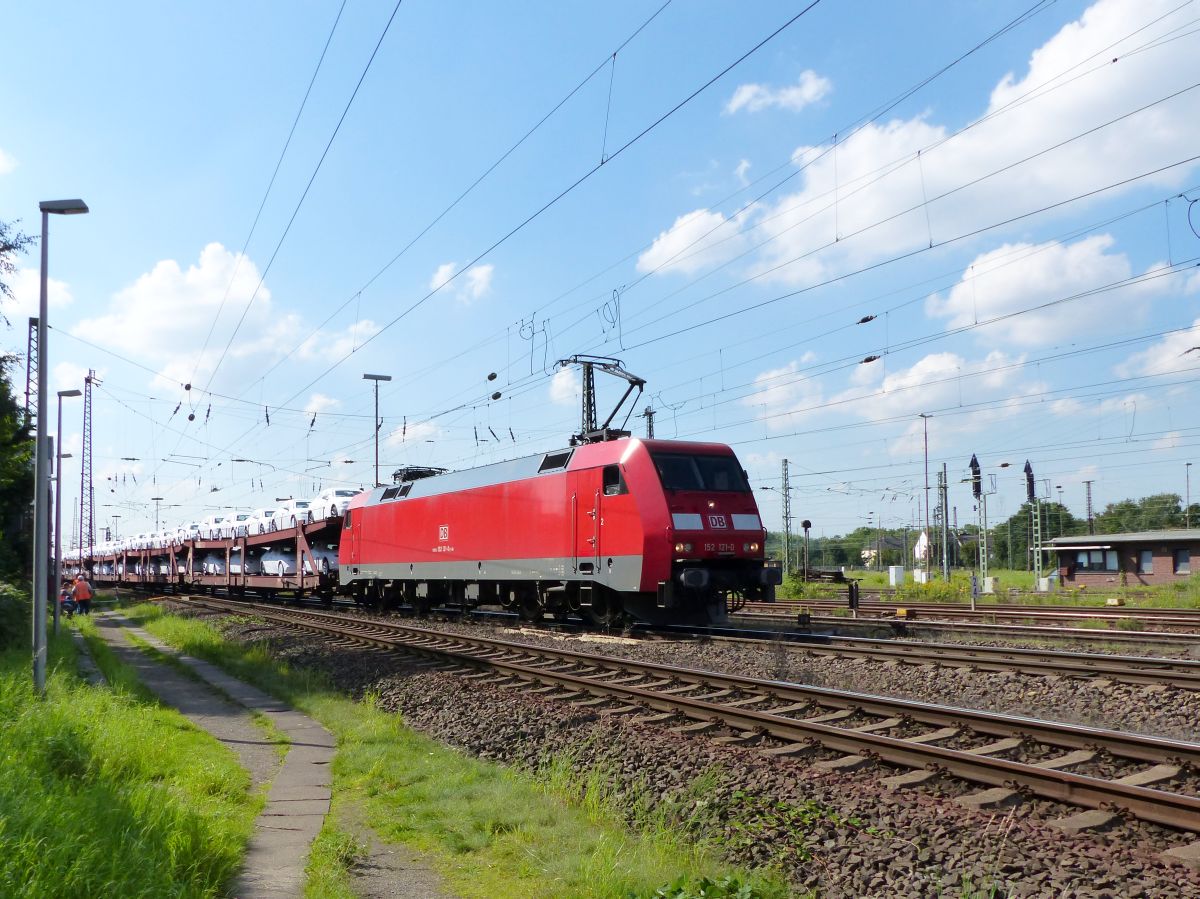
(699, 472)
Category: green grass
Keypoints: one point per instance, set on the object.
(1184, 593)
(333, 854)
(104, 793)
(489, 830)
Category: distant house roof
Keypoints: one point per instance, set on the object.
(1181, 535)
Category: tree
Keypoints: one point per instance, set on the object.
(1010, 539)
(12, 244)
(16, 479)
(1151, 513)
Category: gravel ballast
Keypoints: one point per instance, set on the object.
(841, 834)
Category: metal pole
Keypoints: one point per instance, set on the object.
(377, 379)
(787, 519)
(945, 525)
(58, 516)
(41, 573)
(983, 534)
(1187, 507)
(925, 555)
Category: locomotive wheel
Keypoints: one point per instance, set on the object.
(605, 610)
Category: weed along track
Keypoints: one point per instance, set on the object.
(1110, 773)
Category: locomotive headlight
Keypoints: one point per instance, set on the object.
(683, 547)
(753, 547)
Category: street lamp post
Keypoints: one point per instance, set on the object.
(41, 460)
(58, 504)
(377, 379)
(157, 500)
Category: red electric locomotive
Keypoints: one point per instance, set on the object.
(658, 530)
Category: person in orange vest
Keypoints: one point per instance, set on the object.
(82, 593)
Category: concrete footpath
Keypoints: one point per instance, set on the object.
(299, 794)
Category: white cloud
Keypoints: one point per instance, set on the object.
(417, 432)
(69, 376)
(565, 387)
(162, 318)
(26, 288)
(844, 192)
(697, 240)
(442, 275)
(473, 284)
(319, 402)
(336, 345)
(1171, 440)
(478, 281)
(1175, 352)
(7, 162)
(1015, 277)
(740, 172)
(783, 395)
(808, 89)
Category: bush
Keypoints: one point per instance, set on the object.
(15, 626)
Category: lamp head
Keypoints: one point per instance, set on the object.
(63, 207)
(65, 393)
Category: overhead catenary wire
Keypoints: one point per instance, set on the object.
(273, 408)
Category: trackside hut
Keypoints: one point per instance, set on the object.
(1150, 557)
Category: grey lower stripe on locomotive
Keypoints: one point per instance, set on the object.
(622, 573)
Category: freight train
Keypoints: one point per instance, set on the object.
(657, 530)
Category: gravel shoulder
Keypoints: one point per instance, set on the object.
(1147, 709)
(839, 834)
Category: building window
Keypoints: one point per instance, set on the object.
(1096, 560)
(1183, 561)
(1146, 562)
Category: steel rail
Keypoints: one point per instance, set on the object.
(515, 661)
(1182, 673)
(1043, 632)
(1164, 617)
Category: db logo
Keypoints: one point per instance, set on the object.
(716, 522)
(444, 532)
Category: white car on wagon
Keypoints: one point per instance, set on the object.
(332, 501)
(291, 513)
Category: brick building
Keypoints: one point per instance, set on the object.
(1150, 557)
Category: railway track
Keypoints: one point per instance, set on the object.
(907, 626)
(1182, 673)
(994, 612)
(783, 719)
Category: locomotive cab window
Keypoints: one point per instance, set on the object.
(678, 471)
(348, 520)
(614, 481)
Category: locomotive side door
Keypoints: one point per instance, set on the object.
(587, 522)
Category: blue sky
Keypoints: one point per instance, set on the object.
(1017, 226)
